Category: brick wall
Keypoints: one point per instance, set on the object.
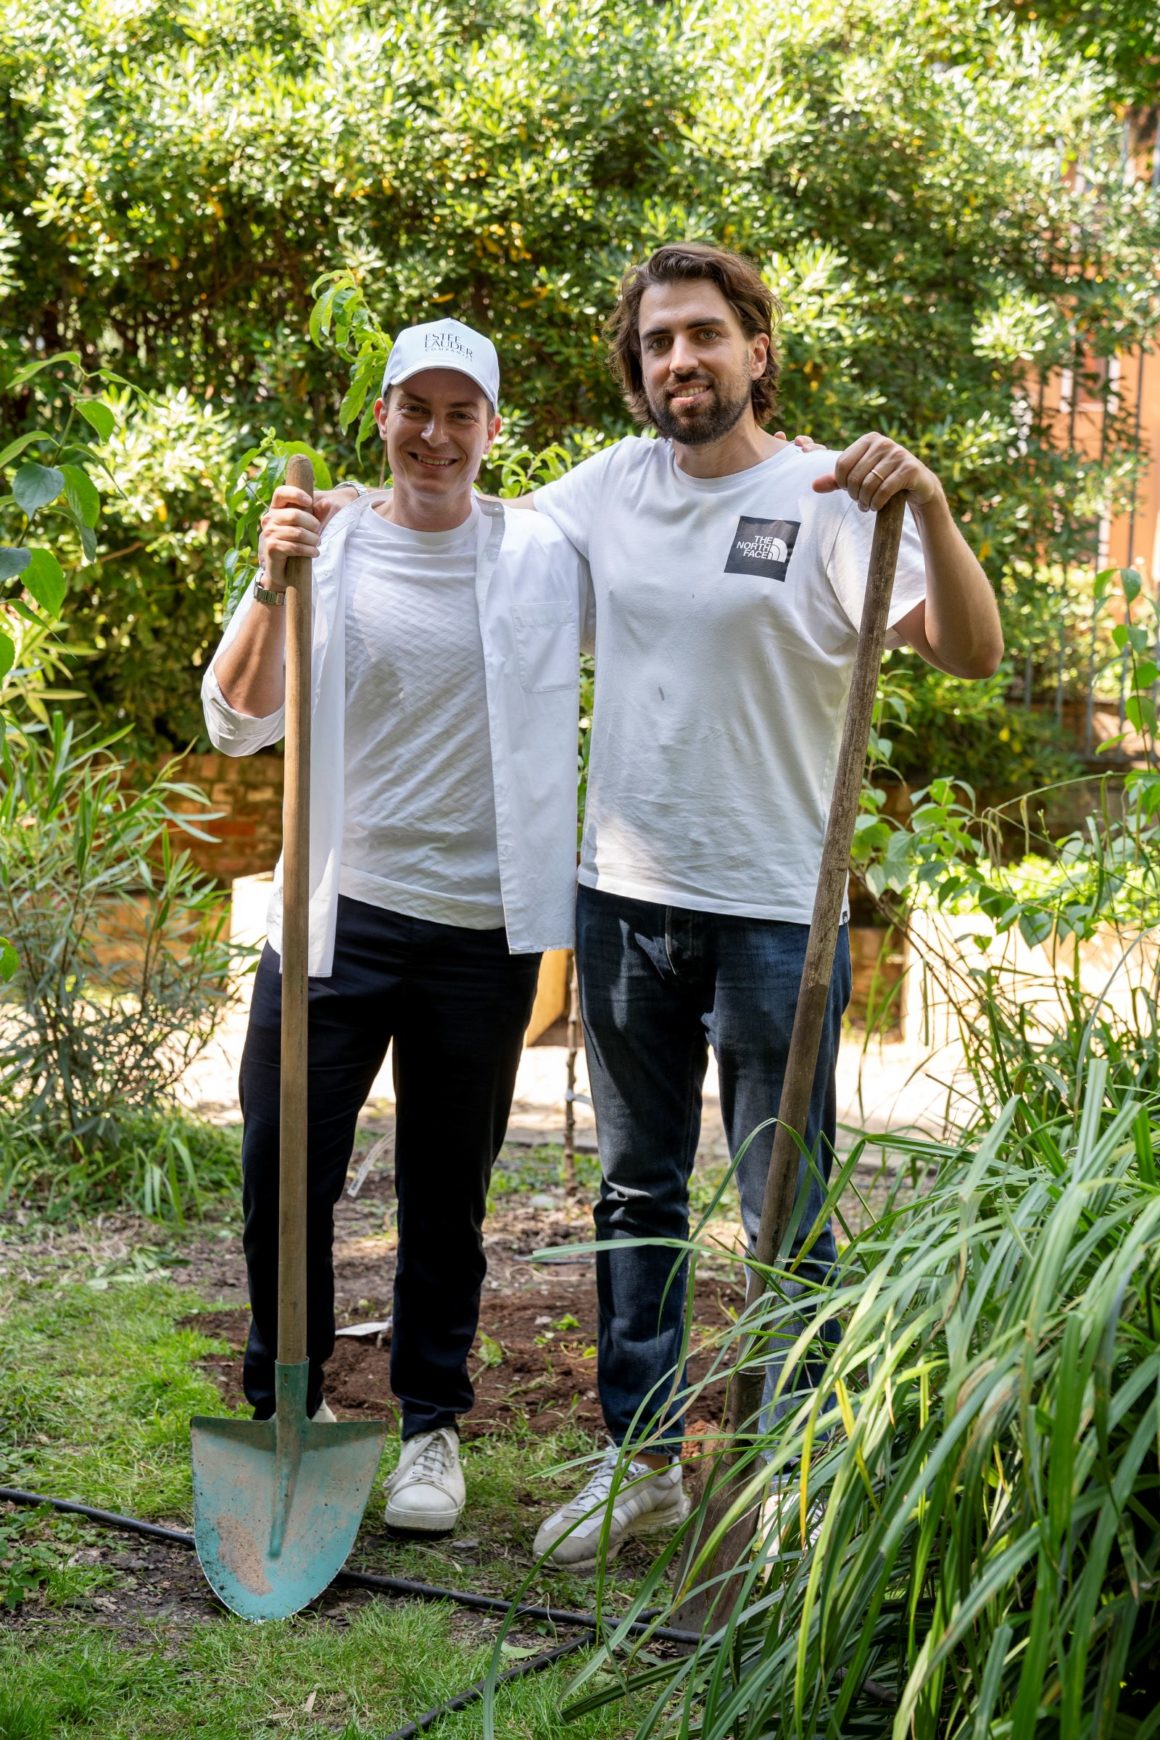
(247, 790)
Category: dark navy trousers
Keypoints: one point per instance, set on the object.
(456, 1005)
(658, 986)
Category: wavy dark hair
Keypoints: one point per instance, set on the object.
(739, 282)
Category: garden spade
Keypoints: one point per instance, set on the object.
(717, 1544)
(277, 1503)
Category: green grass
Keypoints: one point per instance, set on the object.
(97, 1385)
(164, 1164)
(307, 1676)
(97, 1382)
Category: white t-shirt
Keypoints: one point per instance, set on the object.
(419, 833)
(727, 614)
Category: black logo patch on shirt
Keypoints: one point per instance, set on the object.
(762, 547)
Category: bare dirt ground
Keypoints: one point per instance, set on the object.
(534, 1356)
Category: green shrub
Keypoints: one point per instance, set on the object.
(123, 958)
(902, 172)
(970, 732)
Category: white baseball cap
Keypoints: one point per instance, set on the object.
(444, 344)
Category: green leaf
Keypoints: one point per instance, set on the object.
(367, 424)
(321, 469)
(34, 486)
(97, 415)
(1034, 926)
(82, 495)
(320, 314)
(9, 959)
(46, 362)
(1140, 712)
(13, 561)
(1132, 584)
(7, 653)
(366, 373)
(1147, 672)
(33, 438)
(44, 578)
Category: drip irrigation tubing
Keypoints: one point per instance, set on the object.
(401, 1586)
(476, 1691)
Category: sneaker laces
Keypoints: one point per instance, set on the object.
(600, 1485)
(435, 1458)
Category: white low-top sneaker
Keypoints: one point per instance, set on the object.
(426, 1494)
(780, 1517)
(648, 1501)
(322, 1415)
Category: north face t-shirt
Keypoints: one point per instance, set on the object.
(727, 614)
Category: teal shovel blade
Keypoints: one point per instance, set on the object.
(277, 1503)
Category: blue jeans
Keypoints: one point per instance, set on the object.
(658, 986)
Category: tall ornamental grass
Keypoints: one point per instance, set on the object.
(968, 1542)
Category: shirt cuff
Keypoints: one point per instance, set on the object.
(236, 733)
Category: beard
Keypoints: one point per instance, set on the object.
(723, 408)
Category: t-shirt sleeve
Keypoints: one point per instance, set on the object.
(575, 500)
(849, 561)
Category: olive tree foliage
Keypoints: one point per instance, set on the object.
(935, 188)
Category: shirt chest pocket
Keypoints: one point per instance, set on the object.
(547, 640)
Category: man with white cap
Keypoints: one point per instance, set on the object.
(442, 861)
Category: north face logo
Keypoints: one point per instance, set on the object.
(762, 547)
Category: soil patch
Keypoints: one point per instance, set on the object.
(534, 1359)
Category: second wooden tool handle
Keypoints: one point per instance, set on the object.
(802, 1061)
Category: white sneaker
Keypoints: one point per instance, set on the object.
(322, 1416)
(649, 1501)
(426, 1494)
(780, 1517)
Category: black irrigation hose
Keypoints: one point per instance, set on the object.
(363, 1579)
(496, 1604)
(393, 1585)
(477, 1690)
(420, 1591)
(110, 1518)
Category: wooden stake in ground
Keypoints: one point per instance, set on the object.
(570, 1076)
(714, 1589)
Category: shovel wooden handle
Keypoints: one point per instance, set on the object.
(295, 947)
(719, 1583)
(813, 996)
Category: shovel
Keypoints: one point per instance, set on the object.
(277, 1503)
(710, 1569)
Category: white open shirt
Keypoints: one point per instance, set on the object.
(533, 594)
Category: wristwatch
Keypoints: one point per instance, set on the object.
(266, 595)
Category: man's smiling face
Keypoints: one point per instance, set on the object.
(438, 426)
(696, 362)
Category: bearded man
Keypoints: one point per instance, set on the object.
(728, 572)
